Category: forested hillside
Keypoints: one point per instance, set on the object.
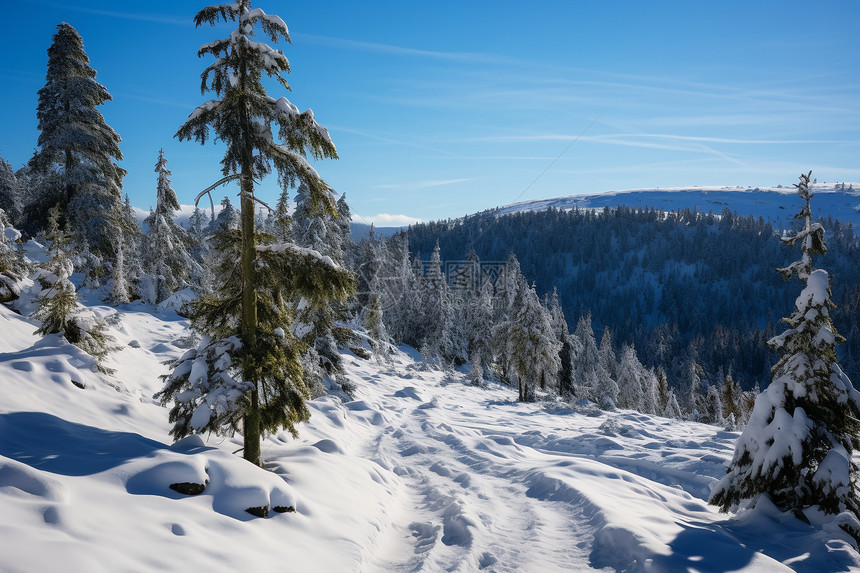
(681, 286)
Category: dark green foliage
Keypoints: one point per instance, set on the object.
(273, 362)
(262, 377)
(75, 160)
(59, 309)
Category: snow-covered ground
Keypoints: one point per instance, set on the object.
(421, 472)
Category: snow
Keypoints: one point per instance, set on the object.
(11, 234)
(776, 205)
(204, 108)
(295, 250)
(420, 472)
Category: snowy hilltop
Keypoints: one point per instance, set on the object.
(776, 205)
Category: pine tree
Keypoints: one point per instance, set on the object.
(130, 240)
(662, 388)
(282, 222)
(672, 409)
(316, 228)
(478, 314)
(797, 446)
(509, 286)
(166, 256)
(532, 349)
(77, 149)
(119, 288)
(13, 267)
(631, 375)
(10, 192)
(731, 398)
(59, 309)
(249, 361)
(437, 341)
(228, 218)
(607, 387)
(586, 359)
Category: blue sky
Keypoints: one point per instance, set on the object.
(444, 108)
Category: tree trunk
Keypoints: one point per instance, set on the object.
(253, 432)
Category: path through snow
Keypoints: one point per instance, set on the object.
(420, 472)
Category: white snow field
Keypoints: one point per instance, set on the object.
(421, 472)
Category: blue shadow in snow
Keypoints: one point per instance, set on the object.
(704, 547)
(51, 444)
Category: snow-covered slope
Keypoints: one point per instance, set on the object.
(776, 204)
(421, 472)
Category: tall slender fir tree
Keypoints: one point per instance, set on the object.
(250, 369)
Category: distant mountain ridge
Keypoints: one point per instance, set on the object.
(777, 205)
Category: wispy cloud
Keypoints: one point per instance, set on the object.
(416, 185)
(387, 139)
(157, 18)
(156, 100)
(394, 49)
(631, 139)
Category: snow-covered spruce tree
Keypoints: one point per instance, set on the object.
(131, 240)
(77, 150)
(731, 396)
(631, 375)
(509, 285)
(212, 385)
(319, 229)
(119, 287)
(607, 387)
(166, 257)
(59, 309)
(401, 290)
(530, 344)
(586, 360)
(10, 192)
(478, 315)
(438, 343)
(13, 266)
(247, 367)
(227, 218)
(798, 443)
(281, 225)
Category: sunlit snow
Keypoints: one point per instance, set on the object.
(419, 472)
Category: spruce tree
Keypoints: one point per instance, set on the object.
(249, 362)
(13, 266)
(166, 256)
(10, 192)
(531, 345)
(77, 150)
(631, 380)
(586, 360)
(607, 387)
(797, 446)
(320, 229)
(119, 288)
(130, 239)
(59, 309)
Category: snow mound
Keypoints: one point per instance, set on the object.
(478, 482)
